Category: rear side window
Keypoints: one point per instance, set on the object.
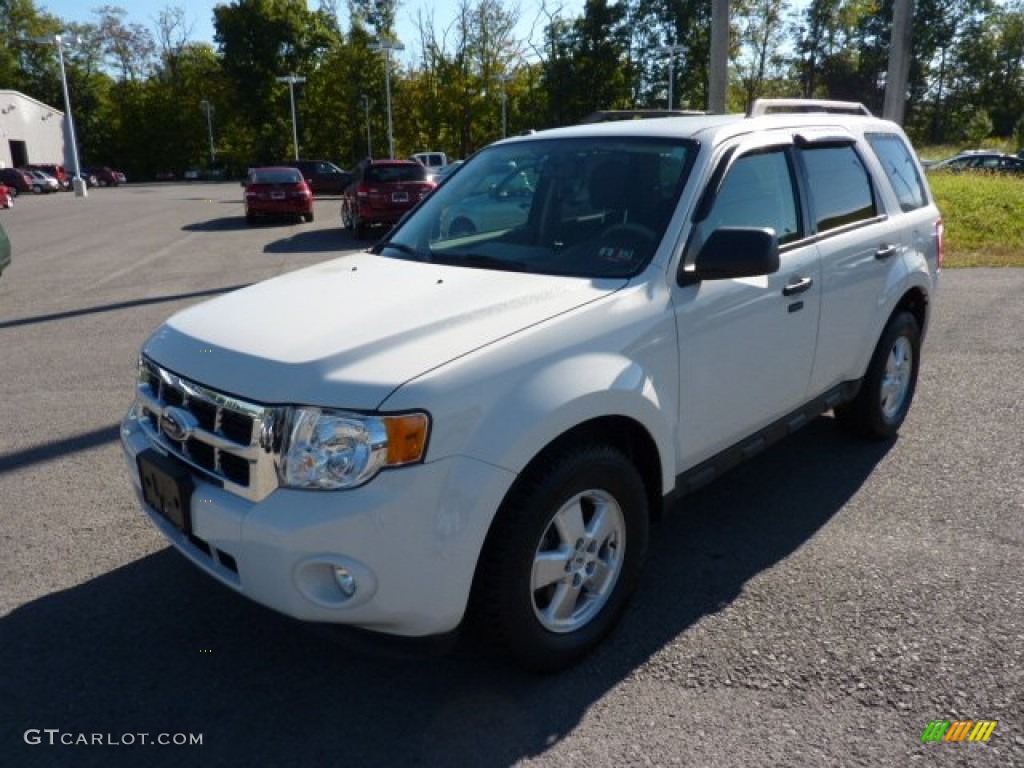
(899, 167)
(841, 192)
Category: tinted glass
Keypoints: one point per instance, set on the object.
(757, 192)
(840, 188)
(276, 177)
(899, 167)
(384, 174)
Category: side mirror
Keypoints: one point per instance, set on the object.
(734, 252)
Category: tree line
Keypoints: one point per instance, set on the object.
(138, 93)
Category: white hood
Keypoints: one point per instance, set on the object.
(348, 332)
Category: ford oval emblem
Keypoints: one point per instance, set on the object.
(178, 424)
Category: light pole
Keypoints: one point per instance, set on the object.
(671, 50)
(207, 107)
(505, 80)
(388, 46)
(369, 144)
(60, 40)
(292, 79)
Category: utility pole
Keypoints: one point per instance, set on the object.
(718, 71)
(899, 61)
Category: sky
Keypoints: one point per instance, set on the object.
(199, 14)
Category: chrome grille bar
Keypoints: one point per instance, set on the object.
(223, 440)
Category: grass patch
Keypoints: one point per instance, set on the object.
(984, 217)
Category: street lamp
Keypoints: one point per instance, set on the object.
(292, 79)
(60, 41)
(369, 144)
(671, 50)
(388, 46)
(207, 107)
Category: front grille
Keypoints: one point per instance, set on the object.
(222, 435)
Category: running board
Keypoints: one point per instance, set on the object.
(713, 468)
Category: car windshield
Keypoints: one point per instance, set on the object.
(276, 176)
(591, 207)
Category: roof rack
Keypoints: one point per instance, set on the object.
(779, 106)
(609, 115)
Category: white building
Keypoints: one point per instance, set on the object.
(31, 132)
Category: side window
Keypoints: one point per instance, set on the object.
(897, 162)
(840, 187)
(758, 191)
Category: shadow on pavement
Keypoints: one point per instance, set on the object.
(156, 647)
(117, 306)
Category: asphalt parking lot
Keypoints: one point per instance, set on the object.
(819, 607)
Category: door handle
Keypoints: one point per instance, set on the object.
(799, 285)
(885, 251)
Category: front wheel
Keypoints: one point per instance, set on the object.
(563, 557)
(881, 405)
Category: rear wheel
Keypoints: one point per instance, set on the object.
(887, 390)
(563, 557)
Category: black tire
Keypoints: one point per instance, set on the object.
(888, 387)
(359, 227)
(308, 217)
(516, 599)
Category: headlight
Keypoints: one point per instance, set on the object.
(336, 449)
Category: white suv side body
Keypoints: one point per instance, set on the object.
(390, 441)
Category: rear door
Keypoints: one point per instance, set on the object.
(861, 247)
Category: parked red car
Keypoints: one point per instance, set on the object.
(105, 176)
(277, 191)
(6, 197)
(381, 192)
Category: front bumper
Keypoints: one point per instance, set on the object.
(409, 539)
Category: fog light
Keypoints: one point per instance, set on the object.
(345, 580)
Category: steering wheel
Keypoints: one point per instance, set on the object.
(631, 229)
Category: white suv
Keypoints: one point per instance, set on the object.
(484, 424)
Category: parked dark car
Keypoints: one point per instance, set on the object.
(993, 162)
(323, 177)
(5, 250)
(277, 191)
(16, 180)
(59, 172)
(381, 192)
(105, 176)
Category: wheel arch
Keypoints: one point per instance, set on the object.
(914, 301)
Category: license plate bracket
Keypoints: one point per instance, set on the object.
(167, 488)
(400, 197)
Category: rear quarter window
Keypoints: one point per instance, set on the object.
(901, 170)
(840, 187)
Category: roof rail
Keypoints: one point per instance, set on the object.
(778, 106)
(609, 115)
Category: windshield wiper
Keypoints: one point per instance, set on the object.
(408, 250)
(481, 261)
